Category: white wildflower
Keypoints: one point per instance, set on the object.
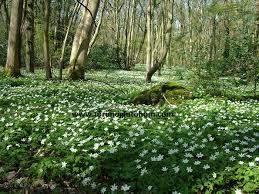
(73, 150)
(176, 169)
(206, 167)
(114, 187)
(103, 190)
(251, 164)
(164, 169)
(125, 187)
(189, 169)
(63, 165)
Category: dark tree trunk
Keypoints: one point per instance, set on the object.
(46, 39)
(29, 37)
(13, 53)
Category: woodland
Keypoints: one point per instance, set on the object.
(129, 96)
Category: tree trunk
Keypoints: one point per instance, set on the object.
(13, 61)
(7, 17)
(227, 34)
(130, 43)
(190, 28)
(257, 46)
(163, 52)
(117, 31)
(141, 45)
(29, 36)
(149, 38)
(213, 40)
(58, 25)
(127, 23)
(82, 39)
(47, 60)
(96, 33)
(162, 34)
(61, 61)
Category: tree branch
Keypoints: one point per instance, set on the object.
(85, 6)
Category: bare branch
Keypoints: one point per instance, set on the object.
(86, 7)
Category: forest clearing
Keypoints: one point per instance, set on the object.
(117, 96)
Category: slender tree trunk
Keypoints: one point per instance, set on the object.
(7, 17)
(96, 33)
(160, 59)
(29, 36)
(227, 34)
(190, 28)
(183, 31)
(213, 39)
(162, 35)
(141, 45)
(12, 67)
(127, 23)
(149, 40)
(1, 3)
(57, 31)
(61, 61)
(82, 40)
(130, 43)
(257, 47)
(47, 60)
(141, 30)
(117, 29)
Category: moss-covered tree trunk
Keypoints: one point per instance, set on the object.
(12, 67)
(82, 39)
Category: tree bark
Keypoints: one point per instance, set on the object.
(149, 38)
(12, 67)
(162, 34)
(7, 17)
(227, 34)
(29, 36)
(130, 43)
(61, 61)
(257, 47)
(160, 59)
(47, 60)
(82, 39)
(213, 40)
(127, 23)
(117, 31)
(97, 30)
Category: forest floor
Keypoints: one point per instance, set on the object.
(55, 136)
